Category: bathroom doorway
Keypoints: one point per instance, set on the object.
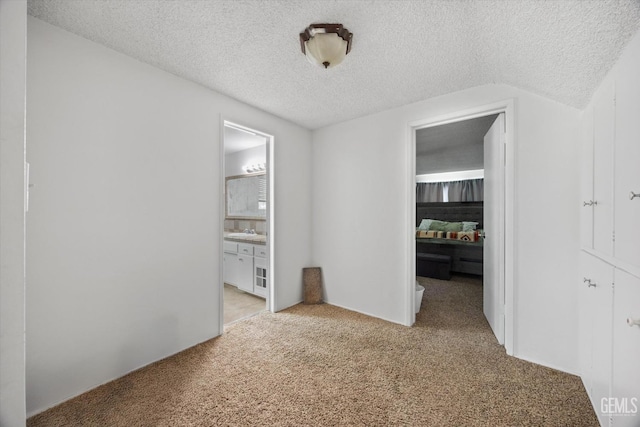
(247, 255)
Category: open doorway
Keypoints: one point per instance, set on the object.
(246, 262)
(453, 164)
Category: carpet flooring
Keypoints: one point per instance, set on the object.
(322, 365)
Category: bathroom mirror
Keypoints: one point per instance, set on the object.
(246, 196)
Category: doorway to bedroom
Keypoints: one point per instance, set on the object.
(460, 182)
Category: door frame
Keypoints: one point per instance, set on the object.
(270, 147)
(508, 244)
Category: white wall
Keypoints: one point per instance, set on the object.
(359, 225)
(13, 32)
(234, 162)
(123, 233)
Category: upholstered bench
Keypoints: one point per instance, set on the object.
(433, 265)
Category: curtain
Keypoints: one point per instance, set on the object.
(469, 190)
(429, 191)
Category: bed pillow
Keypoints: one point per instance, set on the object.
(437, 225)
(469, 226)
(424, 224)
(453, 226)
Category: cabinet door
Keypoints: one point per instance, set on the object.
(603, 140)
(230, 268)
(245, 273)
(261, 282)
(586, 303)
(627, 159)
(586, 179)
(626, 350)
(596, 309)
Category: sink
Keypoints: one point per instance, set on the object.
(245, 236)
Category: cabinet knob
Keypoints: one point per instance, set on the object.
(589, 203)
(633, 322)
(588, 282)
(633, 195)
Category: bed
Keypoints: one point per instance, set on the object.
(466, 250)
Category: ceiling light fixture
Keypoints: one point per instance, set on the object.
(325, 45)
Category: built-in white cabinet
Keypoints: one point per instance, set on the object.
(596, 338)
(245, 266)
(609, 281)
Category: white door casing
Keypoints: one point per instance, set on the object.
(493, 266)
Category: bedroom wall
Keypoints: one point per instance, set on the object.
(359, 224)
(123, 234)
(13, 33)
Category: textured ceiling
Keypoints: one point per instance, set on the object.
(403, 51)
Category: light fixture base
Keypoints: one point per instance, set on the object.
(326, 45)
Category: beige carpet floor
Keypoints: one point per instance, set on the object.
(326, 366)
(239, 304)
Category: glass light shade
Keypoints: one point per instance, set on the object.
(326, 49)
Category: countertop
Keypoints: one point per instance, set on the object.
(255, 239)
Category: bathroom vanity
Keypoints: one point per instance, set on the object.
(245, 264)
(245, 253)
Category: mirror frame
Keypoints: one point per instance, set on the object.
(226, 197)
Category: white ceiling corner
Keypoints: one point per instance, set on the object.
(403, 51)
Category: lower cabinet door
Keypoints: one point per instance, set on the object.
(230, 268)
(260, 270)
(624, 402)
(245, 273)
(596, 340)
(585, 318)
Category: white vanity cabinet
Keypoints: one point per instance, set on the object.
(245, 267)
(230, 263)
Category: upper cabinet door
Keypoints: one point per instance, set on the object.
(627, 161)
(603, 140)
(586, 179)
